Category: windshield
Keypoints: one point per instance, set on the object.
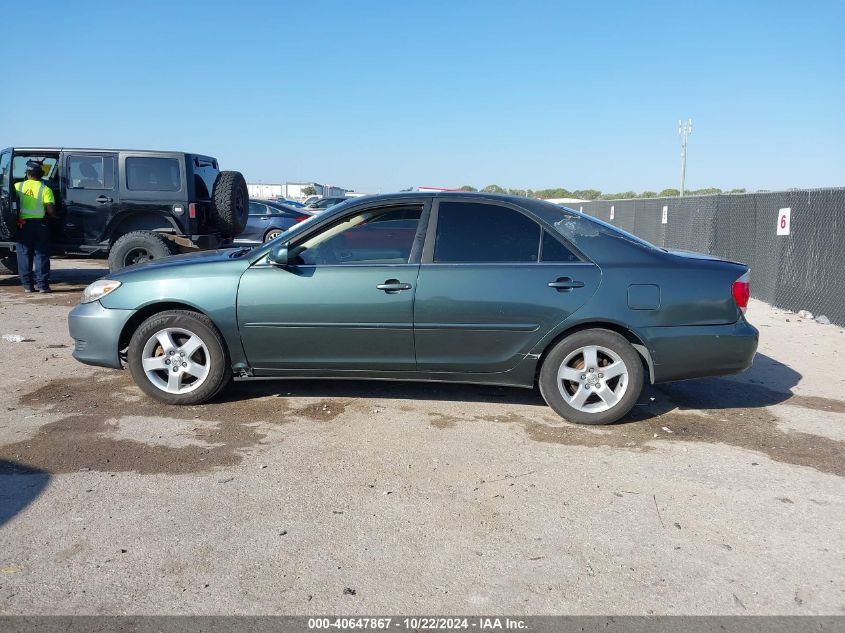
(572, 228)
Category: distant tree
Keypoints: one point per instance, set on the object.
(493, 189)
(736, 191)
(586, 194)
(619, 196)
(709, 191)
(669, 193)
(468, 188)
(408, 189)
(553, 193)
(309, 191)
(648, 194)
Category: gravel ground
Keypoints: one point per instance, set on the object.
(719, 496)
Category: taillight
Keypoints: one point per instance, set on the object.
(741, 290)
(302, 218)
(192, 210)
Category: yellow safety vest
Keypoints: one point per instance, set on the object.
(32, 199)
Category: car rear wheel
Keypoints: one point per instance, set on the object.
(178, 357)
(592, 377)
(138, 247)
(272, 234)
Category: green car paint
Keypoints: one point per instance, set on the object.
(464, 322)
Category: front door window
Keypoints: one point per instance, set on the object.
(372, 237)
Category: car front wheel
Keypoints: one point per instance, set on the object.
(179, 357)
(592, 377)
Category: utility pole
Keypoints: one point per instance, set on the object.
(684, 130)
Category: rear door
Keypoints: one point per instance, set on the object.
(492, 283)
(91, 198)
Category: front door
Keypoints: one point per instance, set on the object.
(344, 302)
(494, 284)
(91, 196)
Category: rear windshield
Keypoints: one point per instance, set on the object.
(583, 225)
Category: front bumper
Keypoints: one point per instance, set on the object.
(678, 353)
(96, 333)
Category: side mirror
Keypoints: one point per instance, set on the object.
(279, 256)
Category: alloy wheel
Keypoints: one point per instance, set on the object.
(176, 360)
(592, 379)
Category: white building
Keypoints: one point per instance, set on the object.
(294, 190)
(264, 190)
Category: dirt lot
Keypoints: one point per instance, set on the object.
(720, 496)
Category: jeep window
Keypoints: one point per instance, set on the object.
(19, 165)
(91, 172)
(153, 174)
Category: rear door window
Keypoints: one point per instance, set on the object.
(153, 174)
(90, 172)
(256, 208)
(469, 232)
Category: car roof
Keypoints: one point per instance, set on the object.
(100, 149)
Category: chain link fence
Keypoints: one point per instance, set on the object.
(803, 270)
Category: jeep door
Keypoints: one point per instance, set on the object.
(91, 196)
(345, 299)
(492, 283)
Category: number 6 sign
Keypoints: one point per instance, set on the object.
(783, 221)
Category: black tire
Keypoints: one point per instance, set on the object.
(610, 341)
(230, 203)
(9, 265)
(219, 367)
(138, 247)
(272, 234)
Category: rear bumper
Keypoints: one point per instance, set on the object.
(678, 353)
(96, 333)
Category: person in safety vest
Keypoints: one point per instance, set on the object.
(33, 237)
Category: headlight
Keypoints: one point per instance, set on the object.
(99, 289)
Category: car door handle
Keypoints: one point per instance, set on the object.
(103, 199)
(392, 286)
(565, 284)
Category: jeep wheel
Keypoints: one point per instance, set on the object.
(138, 247)
(9, 265)
(230, 202)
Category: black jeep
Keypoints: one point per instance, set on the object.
(131, 206)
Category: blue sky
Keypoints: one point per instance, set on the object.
(384, 95)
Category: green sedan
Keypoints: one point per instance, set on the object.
(446, 287)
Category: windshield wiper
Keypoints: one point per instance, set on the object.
(240, 252)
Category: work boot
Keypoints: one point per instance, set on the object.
(44, 289)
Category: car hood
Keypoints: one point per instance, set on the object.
(202, 258)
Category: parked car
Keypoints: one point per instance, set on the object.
(130, 206)
(428, 286)
(310, 199)
(324, 203)
(290, 203)
(268, 220)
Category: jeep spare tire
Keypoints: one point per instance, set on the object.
(230, 202)
(138, 247)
